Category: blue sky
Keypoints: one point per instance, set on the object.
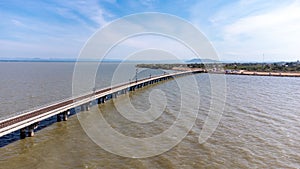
(240, 30)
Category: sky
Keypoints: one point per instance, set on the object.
(239, 30)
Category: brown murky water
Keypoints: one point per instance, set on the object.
(259, 129)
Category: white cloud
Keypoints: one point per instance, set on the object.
(150, 43)
(284, 19)
(275, 33)
(148, 3)
(90, 9)
(17, 22)
(69, 25)
(244, 30)
(152, 32)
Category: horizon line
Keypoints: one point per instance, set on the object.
(120, 60)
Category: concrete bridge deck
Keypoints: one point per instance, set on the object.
(28, 121)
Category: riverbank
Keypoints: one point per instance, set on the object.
(220, 69)
(241, 72)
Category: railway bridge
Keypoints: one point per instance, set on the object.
(27, 122)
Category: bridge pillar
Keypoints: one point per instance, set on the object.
(101, 100)
(22, 133)
(31, 129)
(58, 117)
(87, 106)
(104, 98)
(65, 115)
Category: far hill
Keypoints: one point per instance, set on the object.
(197, 60)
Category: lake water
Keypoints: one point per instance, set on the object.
(259, 127)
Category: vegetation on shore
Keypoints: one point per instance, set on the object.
(259, 67)
(266, 67)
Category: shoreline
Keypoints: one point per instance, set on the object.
(243, 72)
(253, 73)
